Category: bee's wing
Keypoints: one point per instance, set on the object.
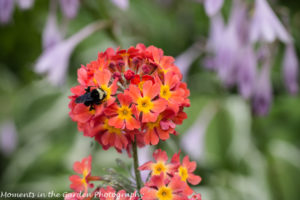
(83, 98)
(80, 99)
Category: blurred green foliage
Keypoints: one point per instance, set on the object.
(245, 157)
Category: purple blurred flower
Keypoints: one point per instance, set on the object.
(69, 8)
(217, 28)
(233, 56)
(226, 56)
(55, 60)
(246, 66)
(290, 69)
(6, 11)
(212, 7)
(226, 43)
(229, 42)
(239, 19)
(51, 33)
(215, 39)
(262, 97)
(266, 26)
(122, 4)
(25, 4)
(8, 138)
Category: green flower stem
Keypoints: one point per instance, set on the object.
(136, 165)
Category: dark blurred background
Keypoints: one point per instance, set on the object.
(240, 155)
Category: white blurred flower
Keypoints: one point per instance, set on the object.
(193, 140)
(54, 61)
(122, 4)
(8, 138)
(266, 26)
(51, 34)
(25, 4)
(144, 156)
(186, 58)
(69, 7)
(212, 7)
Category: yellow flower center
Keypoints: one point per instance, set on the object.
(163, 69)
(85, 172)
(144, 104)
(159, 168)
(107, 90)
(110, 128)
(164, 193)
(152, 125)
(92, 112)
(165, 92)
(140, 85)
(124, 113)
(83, 180)
(183, 173)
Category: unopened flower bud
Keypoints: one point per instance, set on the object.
(136, 60)
(112, 66)
(120, 65)
(129, 74)
(146, 69)
(116, 75)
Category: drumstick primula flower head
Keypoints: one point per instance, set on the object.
(129, 93)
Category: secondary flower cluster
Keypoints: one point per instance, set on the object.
(143, 97)
(81, 185)
(168, 181)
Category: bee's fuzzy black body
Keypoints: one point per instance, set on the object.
(91, 97)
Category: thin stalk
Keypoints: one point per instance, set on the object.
(136, 165)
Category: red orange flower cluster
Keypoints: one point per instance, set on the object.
(143, 97)
(169, 180)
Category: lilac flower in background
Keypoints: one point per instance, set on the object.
(229, 43)
(290, 69)
(122, 4)
(217, 28)
(25, 4)
(212, 7)
(193, 141)
(6, 11)
(239, 19)
(69, 7)
(262, 97)
(8, 138)
(186, 59)
(51, 34)
(226, 56)
(266, 26)
(55, 60)
(226, 42)
(246, 66)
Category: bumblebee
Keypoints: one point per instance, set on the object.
(92, 97)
